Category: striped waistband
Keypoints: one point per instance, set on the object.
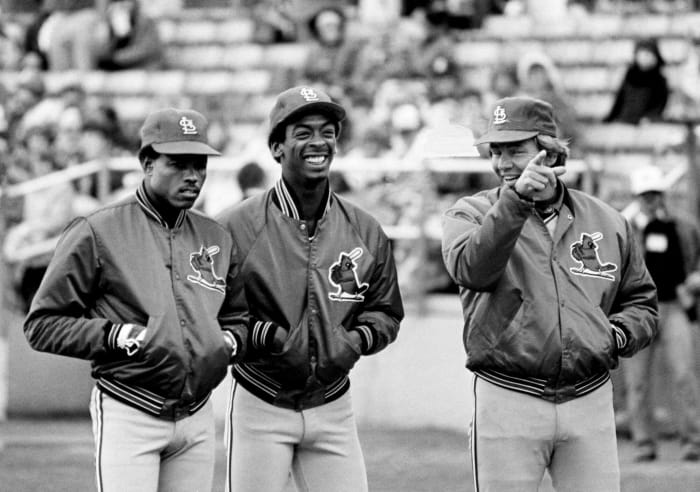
(148, 401)
(538, 387)
(271, 391)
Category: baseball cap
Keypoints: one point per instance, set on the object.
(518, 118)
(300, 100)
(176, 131)
(647, 179)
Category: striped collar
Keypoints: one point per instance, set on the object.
(150, 208)
(285, 200)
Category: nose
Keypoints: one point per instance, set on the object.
(193, 173)
(503, 162)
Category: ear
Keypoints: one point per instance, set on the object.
(277, 151)
(147, 166)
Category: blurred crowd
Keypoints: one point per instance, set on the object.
(392, 64)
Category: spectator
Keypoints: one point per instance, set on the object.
(36, 39)
(132, 38)
(672, 253)
(73, 40)
(44, 214)
(643, 92)
(331, 54)
(274, 23)
(538, 77)
(251, 179)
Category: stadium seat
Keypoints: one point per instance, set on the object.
(191, 57)
(598, 26)
(584, 78)
(470, 53)
(612, 51)
(166, 82)
(243, 56)
(569, 51)
(645, 26)
(291, 55)
(504, 26)
(126, 82)
(235, 31)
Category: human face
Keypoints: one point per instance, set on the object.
(510, 159)
(175, 181)
(308, 149)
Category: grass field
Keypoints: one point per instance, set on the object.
(57, 456)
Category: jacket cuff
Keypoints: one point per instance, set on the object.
(263, 334)
(368, 337)
(111, 335)
(620, 335)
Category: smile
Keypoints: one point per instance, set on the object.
(315, 159)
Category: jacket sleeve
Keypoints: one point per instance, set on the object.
(56, 321)
(635, 308)
(234, 315)
(476, 247)
(382, 311)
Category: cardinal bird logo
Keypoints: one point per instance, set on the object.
(343, 276)
(585, 253)
(202, 262)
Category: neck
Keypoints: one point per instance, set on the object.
(167, 211)
(310, 200)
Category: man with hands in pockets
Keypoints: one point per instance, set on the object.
(554, 289)
(146, 289)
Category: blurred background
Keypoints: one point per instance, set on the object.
(77, 78)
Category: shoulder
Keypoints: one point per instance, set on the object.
(592, 209)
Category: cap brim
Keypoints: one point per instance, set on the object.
(184, 147)
(502, 136)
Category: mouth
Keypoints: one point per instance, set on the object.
(189, 192)
(316, 160)
(509, 179)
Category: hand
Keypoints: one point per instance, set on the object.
(131, 337)
(355, 338)
(278, 340)
(538, 181)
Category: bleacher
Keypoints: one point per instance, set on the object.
(214, 61)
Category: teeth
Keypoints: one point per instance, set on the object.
(318, 159)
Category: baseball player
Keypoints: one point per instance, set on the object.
(554, 289)
(320, 281)
(146, 289)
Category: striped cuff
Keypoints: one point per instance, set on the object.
(367, 337)
(263, 334)
(111, 336)
(620, 335)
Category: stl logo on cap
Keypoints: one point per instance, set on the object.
(308, 94)
(187, 125)
(499, 115)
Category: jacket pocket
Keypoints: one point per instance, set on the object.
(342, 355)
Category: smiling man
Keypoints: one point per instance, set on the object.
(553, 289)
(320, 281)
(147, 291)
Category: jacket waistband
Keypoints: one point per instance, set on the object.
(538, 387)
(269, 390)
(148, 401)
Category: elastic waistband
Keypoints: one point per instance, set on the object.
(149, 402)
(539, 388)
(271, 391)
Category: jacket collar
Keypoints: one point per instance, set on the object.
(150, 209)
(285, 200)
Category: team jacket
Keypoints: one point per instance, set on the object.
(123, 264)
(318, 288)
(541, 311)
